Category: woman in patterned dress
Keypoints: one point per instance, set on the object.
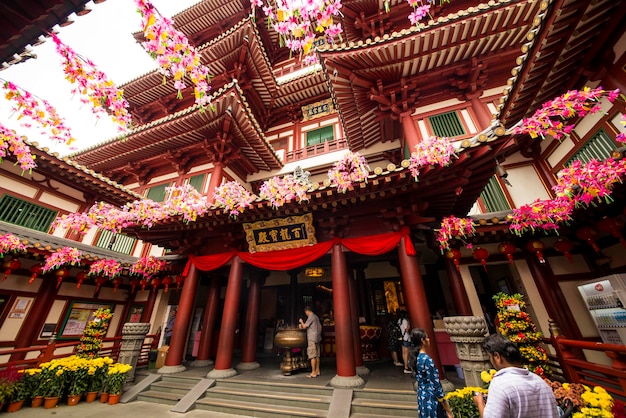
(429, 390)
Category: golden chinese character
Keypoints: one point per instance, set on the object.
(296, 232)
(263, 238)
(274, 235)
(284, 234)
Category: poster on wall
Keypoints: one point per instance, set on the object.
(135, 313)
(20, 307)
(78, 315)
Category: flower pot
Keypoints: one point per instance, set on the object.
(113, 399)
(104, 397)
(51, 402)
(91, 396)
(15, 406)
(73, 399)
(37, 401)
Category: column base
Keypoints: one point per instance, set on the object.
(346, 381)
(171, 369)
(253, 365)
(201, 363)
(447, 385)
(221, 374)
(362, 371)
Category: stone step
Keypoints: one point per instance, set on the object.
(154, 396)
(255, 409)
(274, 397)
(254, 385)
(176, 378)
(386, 394)
(380, 407)
(173, 386)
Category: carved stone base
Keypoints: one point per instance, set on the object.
(472, 370)
(347, 381)
(247, 366)
(362, 371)
(171, 369)
(221, 374)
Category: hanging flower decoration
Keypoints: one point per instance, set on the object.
(106, 268)
(550, 118)
(421, 9)
(283, 190)
(546, 215)
(66, 255)
(352, 168)
(433, 151)
(172, 51)
(30, 108)
(589, 182)
(10, 143)
(95, 88)
(233, 198)
(187, 201)
(621, 137)
(297, 22)
(147, 266)
(453, 227)
(9, 243)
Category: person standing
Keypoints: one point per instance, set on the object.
(429, 390)
(514, 392)
(394, 338)
(405, 329)
(170, 326)
(314, 338)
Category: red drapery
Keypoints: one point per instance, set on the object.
(298, 257)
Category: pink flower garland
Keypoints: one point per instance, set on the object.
(352, 168)
(147, 266)
(621, 137)
(232, 197)
(27, 107)
(9, 243)
(433, 151)
(66, 255)
(546, 215)
(187, 201)
(283, 190)
(590, 182)
(172, 51)
(93, 85)
(549, 119)
(453, 227)
(297, 23)
(10, 143)
(106, 268)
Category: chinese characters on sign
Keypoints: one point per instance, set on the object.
(317, 109)
(280, 234)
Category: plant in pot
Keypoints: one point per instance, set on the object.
(77, 370)
(97, 374)
(32, 381)
(116, 378)
(19, 394)
(53, 379)
(6, 388)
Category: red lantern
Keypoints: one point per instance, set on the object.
(155, 283)
(35, 271)
(508, 249)
(565, 247)
(167, 281)
(590, 235)
(143, 283)
(134, 282)
(9, 266)
(80, 277)
(100, 281)
(480, 254)
(179, 281)
(116, 283)
(614, 226)
(537, 246)
(61, 274)
(455, 255)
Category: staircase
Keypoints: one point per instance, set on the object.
(380, 403)
(169, 390)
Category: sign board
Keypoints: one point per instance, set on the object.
(318, 109)
(280, 233)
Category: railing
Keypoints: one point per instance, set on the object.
(317, 149)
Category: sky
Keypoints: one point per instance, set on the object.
(105, 37)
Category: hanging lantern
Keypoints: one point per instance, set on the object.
(143, 282)
(61, 274)
(507, 249)
(587, 233)
(455, 255)
(155, 283)
(565, 247)
(116, 283)
(167, 281)
(10, 266)
(80, 277)
(480, 254)
(179, 281)
(134, 282)
(537, 246)
(35, 270)
(100, 280)
(613, 226)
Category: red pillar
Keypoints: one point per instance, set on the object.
(208, 325)
(174, 360)
(149, 306)
(412, 136)
(226, 345)
(481, 112)
(216, 178)
(461, 301)
(248, 360)
(356, 331)
(416, 301)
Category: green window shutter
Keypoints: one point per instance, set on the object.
(116, 242)
(157, 193)
(197, 182)
(598, 147)
(447, 125)
(493, 197)
(321, 135)
(29, 215)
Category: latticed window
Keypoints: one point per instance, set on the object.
(26, 214)
(157, 193)
(116, 242)
(598, 147)
(197, 182)
(447, 125)
(493, 197)
(321, 135)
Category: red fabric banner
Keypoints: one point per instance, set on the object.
(287, 259)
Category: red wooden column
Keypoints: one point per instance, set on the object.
(461, 301)
(346, 368)
(208, 325)
(411, 134)
(216, 178)
(174, 360)
(250, 328)
(416, 301)
(226, 345)
(361, 370)
(481, 112)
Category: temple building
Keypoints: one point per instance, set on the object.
(471, 74)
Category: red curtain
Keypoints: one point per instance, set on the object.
(209, 262)
(378, 244)
(287, 259)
